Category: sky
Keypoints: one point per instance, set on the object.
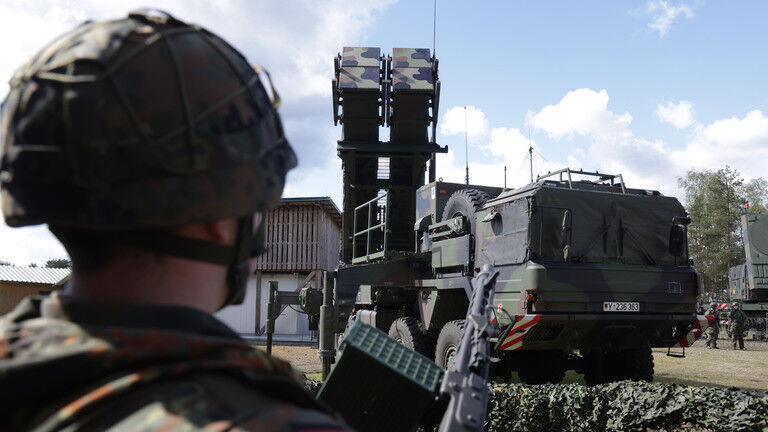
(647, 89)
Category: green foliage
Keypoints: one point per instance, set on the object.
(716, 200)
(620, 406)
(58, 263)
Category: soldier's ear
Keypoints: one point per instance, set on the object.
(221, 231)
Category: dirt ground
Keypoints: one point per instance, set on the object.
(722, 368)
(302, 358)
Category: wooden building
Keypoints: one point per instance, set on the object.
(19, 282)
(303, 237)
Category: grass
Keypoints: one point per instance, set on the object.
(315, 376)
(720, 368)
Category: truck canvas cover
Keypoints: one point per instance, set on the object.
(602, 227)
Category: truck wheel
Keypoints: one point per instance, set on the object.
(448, 343)
(639, 364)
(593, 368)
(465, 202)
(542, 368)
(407, 331)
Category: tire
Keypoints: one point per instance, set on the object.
(448, 343)
(542, 368)
(465, 202)
(408, 331)
(593, 368)
(640, 364)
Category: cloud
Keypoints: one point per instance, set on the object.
(491, 149)
(680, 115)
(295, 41)
(22, 246)
(613, 148)
(317, 181)
(453, 122)
(580, 112)
(664, 15)
(739, 142)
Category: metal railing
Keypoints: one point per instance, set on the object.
(383, 226)
(602, 178)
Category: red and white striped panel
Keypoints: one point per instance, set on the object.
(514, 339)
(722, 306)
(702, 323)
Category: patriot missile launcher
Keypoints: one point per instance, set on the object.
(592, 273)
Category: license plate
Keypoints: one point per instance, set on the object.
(621, 307)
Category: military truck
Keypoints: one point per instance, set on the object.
(748, 282)
(592, 273)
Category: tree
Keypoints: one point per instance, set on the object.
(756, 194)
(715, 201)
(58, 263)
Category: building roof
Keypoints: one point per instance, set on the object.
(325, 202)
(36, 275)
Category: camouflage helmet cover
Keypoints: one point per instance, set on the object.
(141, 122)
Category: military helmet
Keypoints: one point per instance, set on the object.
(139, 122)
(142, 123)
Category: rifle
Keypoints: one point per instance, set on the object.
(376, 377)
(466, 382)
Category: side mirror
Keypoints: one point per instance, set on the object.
(677, 240)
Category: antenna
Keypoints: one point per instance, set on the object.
(466, 146)
(434, 28)
(530, 151)
(505, 176)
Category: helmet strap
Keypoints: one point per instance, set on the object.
(246, 245)
(236, 257)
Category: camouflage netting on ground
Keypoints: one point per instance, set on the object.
(625, 406)
(622, 406)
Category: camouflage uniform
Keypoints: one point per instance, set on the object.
(738, 318)
(71, 363)
(124, 129)
(713, 331)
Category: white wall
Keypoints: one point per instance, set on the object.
(242, 318)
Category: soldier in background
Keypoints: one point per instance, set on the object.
(738, 319)
(151, 149)
(713, 331)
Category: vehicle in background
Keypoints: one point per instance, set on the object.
(748, 282)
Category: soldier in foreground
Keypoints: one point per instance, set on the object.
(737, 318)
(151, 149)
(713, 331)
